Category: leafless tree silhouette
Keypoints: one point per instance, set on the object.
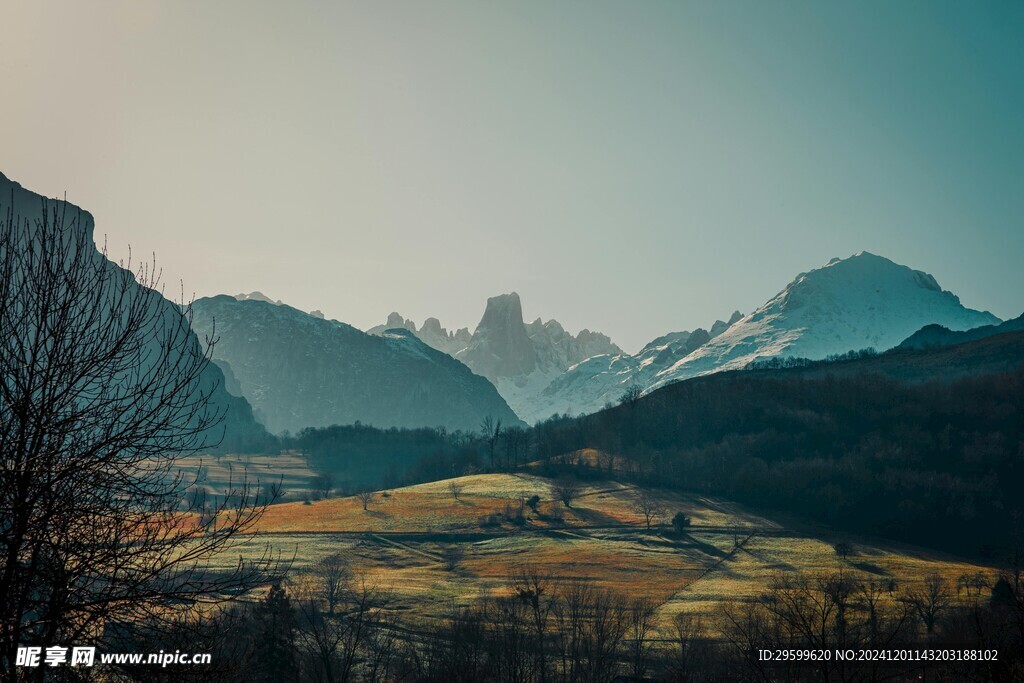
(323, 484)
(648, 507)
(566, 489)
(102, 391)
(367, 497)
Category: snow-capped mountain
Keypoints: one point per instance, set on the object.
(596, 381)
(854, 303)
(299, 370)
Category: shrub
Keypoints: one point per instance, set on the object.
(680, 523)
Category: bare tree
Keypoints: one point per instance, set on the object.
(103, 390)
(323, 484)
(492, 431)
(648, 506)
(367, 497)
(640, 620)
(687, 653)
(592, 624)
(929, 599)
(566, 489)
(273, 492)
(455, 488)
(333, 574)
(451, 556)
(352, 645)
(537, 592)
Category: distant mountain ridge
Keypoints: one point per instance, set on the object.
(935, 336)
(540, 369)
(602, 379)
(432, 333)
(853, 303)
(300, 370)
(858, 302)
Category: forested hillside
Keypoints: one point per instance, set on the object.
(937, 462)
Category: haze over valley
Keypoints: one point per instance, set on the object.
(511, 342)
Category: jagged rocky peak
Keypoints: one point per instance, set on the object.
(568, 349)
(432, 326)
(674, 345)
(433, 334)
(503, 312)
(589, 337)
(500, 346)
(721, 326)
(504, 347)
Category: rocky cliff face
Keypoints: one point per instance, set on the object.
(300, 371)
(432, 333)
(500, 346)
(519, 359)
(240, 429)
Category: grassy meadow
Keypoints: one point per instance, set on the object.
(432, 549)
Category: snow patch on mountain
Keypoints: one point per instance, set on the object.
(854, 303)
(600, 380)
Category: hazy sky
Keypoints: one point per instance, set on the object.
(631, 167)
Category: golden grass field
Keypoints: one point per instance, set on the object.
(398, 543)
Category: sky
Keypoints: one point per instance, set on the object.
(629, 167)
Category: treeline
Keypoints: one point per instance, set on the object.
(786, 362)
(330, 624)
(939, 464)
(361, 455)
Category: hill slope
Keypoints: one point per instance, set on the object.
(934, 336)
(299, 370)
(729, 554)
(918, 445)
